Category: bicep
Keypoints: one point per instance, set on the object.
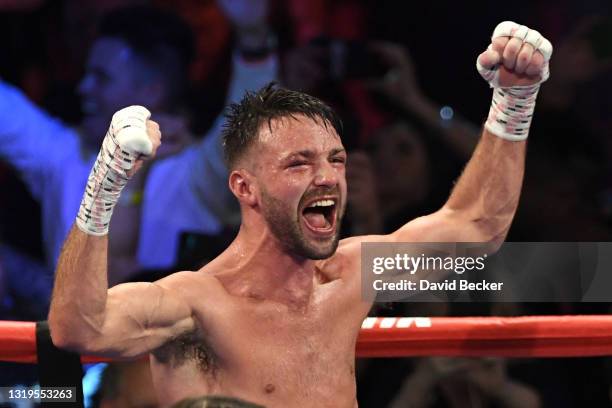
(443, 226)
(140, 317)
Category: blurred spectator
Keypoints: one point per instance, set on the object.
(403, 94)
(211, 68)
(26, 286)
(140, 57)
(405, 174)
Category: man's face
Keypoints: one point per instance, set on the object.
(299, 168)
(112, 81)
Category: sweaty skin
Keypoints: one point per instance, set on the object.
(268, 352)
(266, 327)
(261, 322)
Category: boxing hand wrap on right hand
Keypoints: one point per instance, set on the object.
(125, 141)
(512, 107)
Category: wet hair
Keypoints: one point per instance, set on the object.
(160, 39)
(244, 119)
(215, 402)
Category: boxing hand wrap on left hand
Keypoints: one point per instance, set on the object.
(512, 107)
(125, 141)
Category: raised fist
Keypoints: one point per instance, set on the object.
(130, 128)
(131, 138)
(517, 56)
(137, 136)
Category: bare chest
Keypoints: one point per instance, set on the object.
(269, 354)
(301, 351)
(265, 352)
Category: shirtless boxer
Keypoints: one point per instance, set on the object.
(274, 319)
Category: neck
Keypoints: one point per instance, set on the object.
(260, 267)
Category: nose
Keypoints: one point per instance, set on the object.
(326, 176)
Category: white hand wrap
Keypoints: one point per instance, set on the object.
(125, 141)
(512, 108)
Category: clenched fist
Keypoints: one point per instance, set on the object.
(131, 138)
(515, 64)
(517, 56)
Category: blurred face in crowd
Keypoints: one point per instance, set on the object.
(300, 172)
(401, 163)
(114, 78)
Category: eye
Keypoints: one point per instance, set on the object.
(339, 159)
(297, 163)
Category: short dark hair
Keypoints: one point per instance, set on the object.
(161, 39)
(245, 118)
(215, 401)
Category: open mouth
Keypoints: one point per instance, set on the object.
(320, 216)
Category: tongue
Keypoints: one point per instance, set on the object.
(315, 220)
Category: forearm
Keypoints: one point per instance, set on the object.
(487, 194)
(488, 191)
(80, 290)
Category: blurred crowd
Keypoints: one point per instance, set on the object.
(402, 76)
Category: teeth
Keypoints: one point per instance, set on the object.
(322, 203)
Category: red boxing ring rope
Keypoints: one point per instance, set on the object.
(528, 336)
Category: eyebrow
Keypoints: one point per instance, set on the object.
(303, 153)
(309, 154)
(337, 151)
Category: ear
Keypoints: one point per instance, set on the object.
(243, 185)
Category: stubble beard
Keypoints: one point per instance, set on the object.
(286, 227)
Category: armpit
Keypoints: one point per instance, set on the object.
(189, 347)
